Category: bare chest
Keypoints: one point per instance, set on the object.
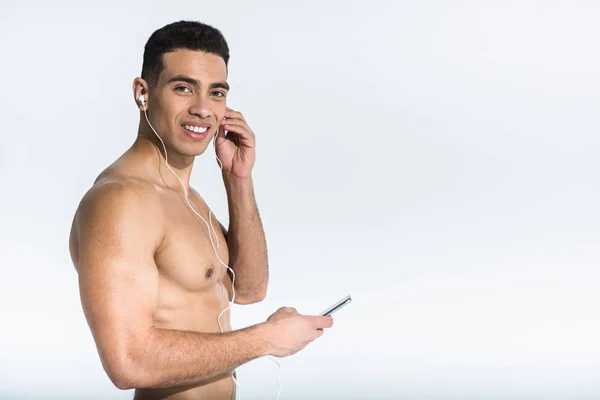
(193, 253)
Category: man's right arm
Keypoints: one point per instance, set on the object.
(119, 228)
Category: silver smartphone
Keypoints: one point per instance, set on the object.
(336, 306)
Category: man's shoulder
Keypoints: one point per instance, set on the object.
(120, 195)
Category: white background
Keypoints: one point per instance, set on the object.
(436, 160)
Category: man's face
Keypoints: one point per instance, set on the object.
(189, 96)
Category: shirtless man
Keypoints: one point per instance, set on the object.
(152, 287)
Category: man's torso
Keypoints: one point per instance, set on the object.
(194, 286)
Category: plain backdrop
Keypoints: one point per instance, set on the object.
(436, 160)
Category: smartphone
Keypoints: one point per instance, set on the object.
(336, 306)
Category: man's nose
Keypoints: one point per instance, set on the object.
(201, 107)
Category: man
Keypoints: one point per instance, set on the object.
(153, 275)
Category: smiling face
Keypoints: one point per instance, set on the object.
(188, 102)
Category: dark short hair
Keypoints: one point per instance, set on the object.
(190, 35)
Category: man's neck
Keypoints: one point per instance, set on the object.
(151, 150)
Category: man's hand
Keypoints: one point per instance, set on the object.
(236, 150)
(291, 332)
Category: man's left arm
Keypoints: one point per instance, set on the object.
(246, 242)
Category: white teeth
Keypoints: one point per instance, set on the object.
(196, 129)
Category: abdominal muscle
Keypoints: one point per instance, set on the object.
(197, 312)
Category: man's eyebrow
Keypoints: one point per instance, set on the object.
(195, 82)
(223, 85)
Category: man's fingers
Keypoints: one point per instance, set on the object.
(240, 134)
(238, 128)
(322, 322)
(229, 113)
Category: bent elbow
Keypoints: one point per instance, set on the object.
(122, 383)
(123, 371)
(119, 374)
(250, 298)
(260, 296)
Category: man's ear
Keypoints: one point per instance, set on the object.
(140, 93)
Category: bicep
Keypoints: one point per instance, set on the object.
(118, 278)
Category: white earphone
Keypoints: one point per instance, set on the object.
(142, 100)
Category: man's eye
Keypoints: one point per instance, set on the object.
(219, 94)
(182, 89)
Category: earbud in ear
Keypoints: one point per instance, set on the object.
(142, 100)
